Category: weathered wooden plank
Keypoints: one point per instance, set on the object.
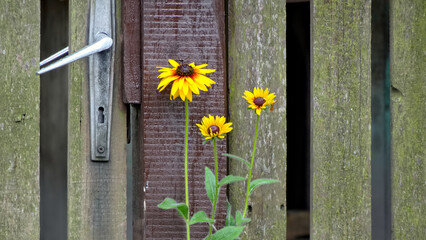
(257, 58)
(408, 124)
(341, 123)
(192, 31)
(131, 21)
(97, 190)
(19, 119)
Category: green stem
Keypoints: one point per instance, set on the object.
(216, 171)
(188, 236)
(251, 167)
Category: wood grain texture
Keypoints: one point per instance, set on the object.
(341, 135)
(96, 190)
(131, 36)
(19, 119)
(408, 124)
(257, 58)
(192, 31)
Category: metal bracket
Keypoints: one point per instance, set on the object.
(101, 62)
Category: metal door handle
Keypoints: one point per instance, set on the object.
(103, 42)
(100, 73)
(55, 56)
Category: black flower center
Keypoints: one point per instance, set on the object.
(184, 70)
(214, 129)
(259, 101)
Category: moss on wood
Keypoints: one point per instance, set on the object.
(408, 104)
(341, 199)
(19, 119)
(257, 58)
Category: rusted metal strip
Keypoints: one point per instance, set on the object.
(131, 20)
(193, 31)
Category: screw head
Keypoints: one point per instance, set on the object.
(101, 149)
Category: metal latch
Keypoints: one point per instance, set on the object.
(101, 62)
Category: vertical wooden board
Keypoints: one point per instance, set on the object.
(131, 37)
(192, 31)
(408, 124)
(19, 119)
(257, 58)
(96, 190)
(341, 74)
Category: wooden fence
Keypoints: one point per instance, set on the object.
(246, 42)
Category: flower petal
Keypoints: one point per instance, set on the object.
(185, 88)
(248, 95)
(201, 66)
(203, 79)
(181, 82)
(175, 88)
(266, 92)
(167, 74)
(189, 96)
(164, 82)
(201, 86)
(204, 71)
(192, 85)
(162, 69)
(174, 63)
(175, 95)
(182, 95)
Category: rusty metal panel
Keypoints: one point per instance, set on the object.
(131, 19)
(193, 31)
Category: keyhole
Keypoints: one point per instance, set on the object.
(101, 117)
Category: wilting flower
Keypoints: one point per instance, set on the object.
(186, 78)
(211, 127)
(259, 99)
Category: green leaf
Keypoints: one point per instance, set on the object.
(228, 233)
(236, 158)
(169, 203)
(210, 183)
(229, 221)
(200, 217)
(239, 218)
(230, 179)
(256, 183)
(183, 211)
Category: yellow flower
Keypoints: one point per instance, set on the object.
(186, 78)
(259, 99)
(211, 127)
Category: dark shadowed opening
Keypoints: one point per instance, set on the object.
(298, 119)
(53, 123)
(381, 213)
